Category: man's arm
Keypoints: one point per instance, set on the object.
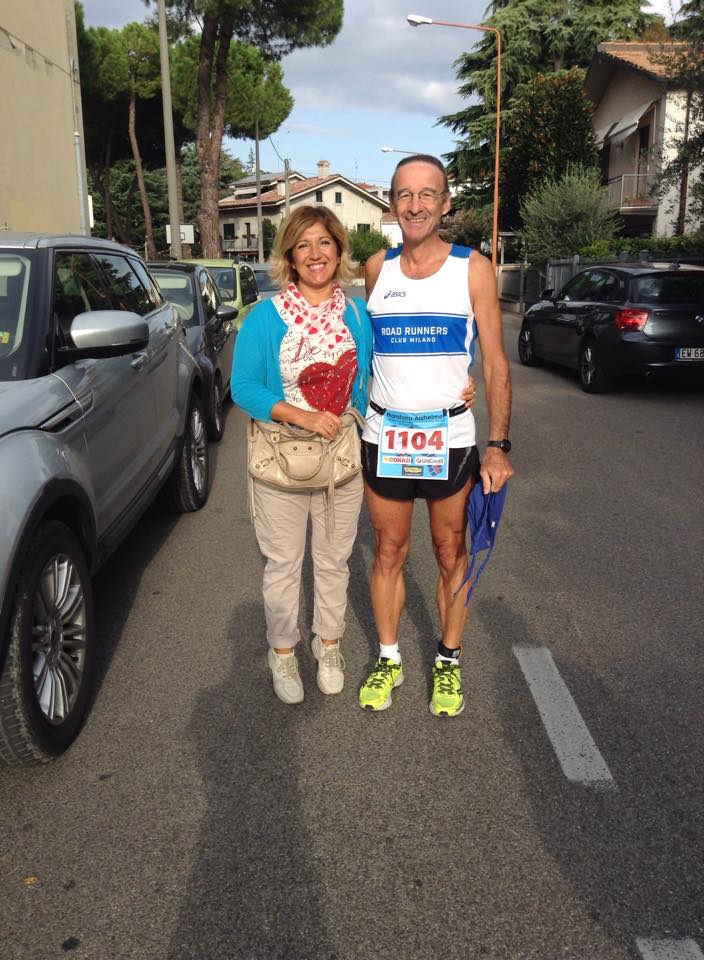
(372, 270)
(496, 468)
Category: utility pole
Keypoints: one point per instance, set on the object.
(287, 201)
(169, 147)
(260, 238)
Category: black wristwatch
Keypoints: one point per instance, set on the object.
(504, 445)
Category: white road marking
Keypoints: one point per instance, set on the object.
(669, 950)
(578, 754)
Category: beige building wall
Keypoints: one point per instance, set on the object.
(352, 211)
(41, 176)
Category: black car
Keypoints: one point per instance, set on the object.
(210, 330)
(616, 320)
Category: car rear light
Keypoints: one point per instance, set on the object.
(631, 319)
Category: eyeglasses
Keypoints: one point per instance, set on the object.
(426, 196)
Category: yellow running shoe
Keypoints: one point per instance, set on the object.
(375, 693)
(447, 700)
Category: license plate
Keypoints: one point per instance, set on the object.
(689, 353)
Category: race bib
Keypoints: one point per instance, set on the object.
(413, 445)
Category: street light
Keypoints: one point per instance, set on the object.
(411, 153)
(417, 21)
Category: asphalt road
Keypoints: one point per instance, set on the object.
(198, 817)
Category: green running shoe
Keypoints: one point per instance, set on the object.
(375, 693)
(447, 700)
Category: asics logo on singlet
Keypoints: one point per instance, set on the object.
(394, 293)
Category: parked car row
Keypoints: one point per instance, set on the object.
(619, 320)
(112, 379)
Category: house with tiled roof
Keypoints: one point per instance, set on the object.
(639, 113)
(355, 205)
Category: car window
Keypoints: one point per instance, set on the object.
(264, 280)
(602, 287)
(14, 286)
(126, 289)
(78, 287)
(153, 291)
(224, 277)
(577, 288)
(669, 288)
(178, 290)
(209, 294)
(249, 285)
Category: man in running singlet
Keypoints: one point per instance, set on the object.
(429, 301)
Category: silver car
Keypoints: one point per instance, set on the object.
(100, 407)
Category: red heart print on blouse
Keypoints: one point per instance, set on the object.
(326, 386)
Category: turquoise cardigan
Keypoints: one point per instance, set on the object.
(256, 383)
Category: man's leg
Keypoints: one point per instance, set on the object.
(391, 520)
(448, 528)
(448, 522)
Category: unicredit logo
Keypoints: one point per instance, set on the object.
(394, 293)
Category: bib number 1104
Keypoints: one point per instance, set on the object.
(399, 441)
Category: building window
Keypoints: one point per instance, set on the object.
(228, 231)
(364, 227)
(318, 196)
(338, 196)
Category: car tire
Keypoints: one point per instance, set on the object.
(216, 416)
(591, 373)
(526, 348)
(189, 484)
(49, 667)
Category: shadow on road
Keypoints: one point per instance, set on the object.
(254, 891)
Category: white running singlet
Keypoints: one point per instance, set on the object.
(424, 339)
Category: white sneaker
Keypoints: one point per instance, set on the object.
(331, 665)
(287, 682)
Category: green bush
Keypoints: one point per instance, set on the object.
(690, 245)
(363, 243)
(563, 215)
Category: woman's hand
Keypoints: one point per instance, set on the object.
(327, 424)
(469, 394)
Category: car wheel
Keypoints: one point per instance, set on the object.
(188, 486)
(216, 420)
(48, 674)
(591, 373)
(526, 348)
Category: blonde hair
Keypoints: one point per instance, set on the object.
(283, 271)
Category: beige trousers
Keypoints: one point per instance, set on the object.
(280, 522)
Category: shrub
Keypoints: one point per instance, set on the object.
(563, 215)
(363, 243)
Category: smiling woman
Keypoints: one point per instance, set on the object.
(303, 358)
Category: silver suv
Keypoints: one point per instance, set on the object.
(100, 407)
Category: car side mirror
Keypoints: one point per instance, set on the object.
(106, 333)
(548, 294)
(226, 314)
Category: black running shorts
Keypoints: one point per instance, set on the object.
(464, 463)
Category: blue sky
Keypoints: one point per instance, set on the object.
(381, 83)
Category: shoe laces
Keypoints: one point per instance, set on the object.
(330, 657)
(381, 673)
(287, 667)
(446, 677)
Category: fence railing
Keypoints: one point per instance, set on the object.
(632, 191)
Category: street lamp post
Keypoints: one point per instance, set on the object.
(417, 21)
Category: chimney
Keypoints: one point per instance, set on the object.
(323, 169)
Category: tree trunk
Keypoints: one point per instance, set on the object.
(148, 226)
(684, 179)
(214, 50)
(186, 251)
